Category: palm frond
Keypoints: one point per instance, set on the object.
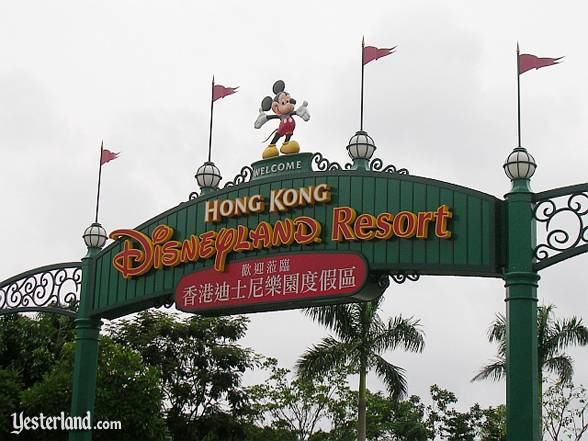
(377, 302)
(497, 333)
(552, 337)
(569, 332)
(562, 365)
(375, 325)
(399, 331)
(369, 321)
(545, 331)
(342, 319)
(497, 329)
(375, 306)
(495, 370)
(392, 376)
(323, 357)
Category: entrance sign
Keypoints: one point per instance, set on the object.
(398, 223)
(296, 230)
(278, 282)
(289, 236)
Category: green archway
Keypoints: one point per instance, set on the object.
(360, 225)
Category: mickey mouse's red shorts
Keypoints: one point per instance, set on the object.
(286, 126)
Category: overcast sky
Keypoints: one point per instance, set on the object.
(137, 74)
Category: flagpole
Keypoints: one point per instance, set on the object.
(519, 93)
(99, 176)
(211, 110)
(362, 69)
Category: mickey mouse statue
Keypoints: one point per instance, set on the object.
(283, 107)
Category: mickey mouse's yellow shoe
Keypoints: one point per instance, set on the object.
(290, 147)
(270, 151)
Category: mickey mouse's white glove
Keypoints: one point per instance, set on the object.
(302, 111)
(261, 119)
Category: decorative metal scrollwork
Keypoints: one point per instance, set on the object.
(323, 164)
(403, 277)
(378, 165)
(244, 175)
(52, 288)
(564, 212)
(193, 195)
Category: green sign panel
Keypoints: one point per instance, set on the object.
(397, 223)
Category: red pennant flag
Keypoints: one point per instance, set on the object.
(528, 62)
(371, 53)
(107, 156)
(222, 91)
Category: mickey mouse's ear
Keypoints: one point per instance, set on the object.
(279, 86)
(266, 103)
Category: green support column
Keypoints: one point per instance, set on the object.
(84, 378)
(522, 395)
(87, 336)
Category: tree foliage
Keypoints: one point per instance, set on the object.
(387, 419)
(565, 411)
(10, 390)
(126, 390)
(36, 369)
(448, 423)
(31, 346)
(361, 339)
(554, 336)
(201, 368)
(296, 407)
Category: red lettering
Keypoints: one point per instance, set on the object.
(242, 244)
(442, 215)
(161, 234)
(261, 237)
(341, 228)
(225, 241)
(171, 253)
(363, 227)
(384, 223)
(423, 224)
(405, 224)
(126, 260)
(283, 233)
(189, 252)
(207, 244)
(308, 230)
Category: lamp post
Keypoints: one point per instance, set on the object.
(522, 389)
(361, 148)
(208, 177)
(87, 333)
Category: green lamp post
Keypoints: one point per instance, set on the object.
(87, 334)
(361, 148)
(522, 396)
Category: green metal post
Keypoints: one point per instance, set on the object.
(86, 356)
(360, 164)
(522, 394)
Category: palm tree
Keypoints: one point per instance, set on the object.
(361, 336)
(553, 336)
